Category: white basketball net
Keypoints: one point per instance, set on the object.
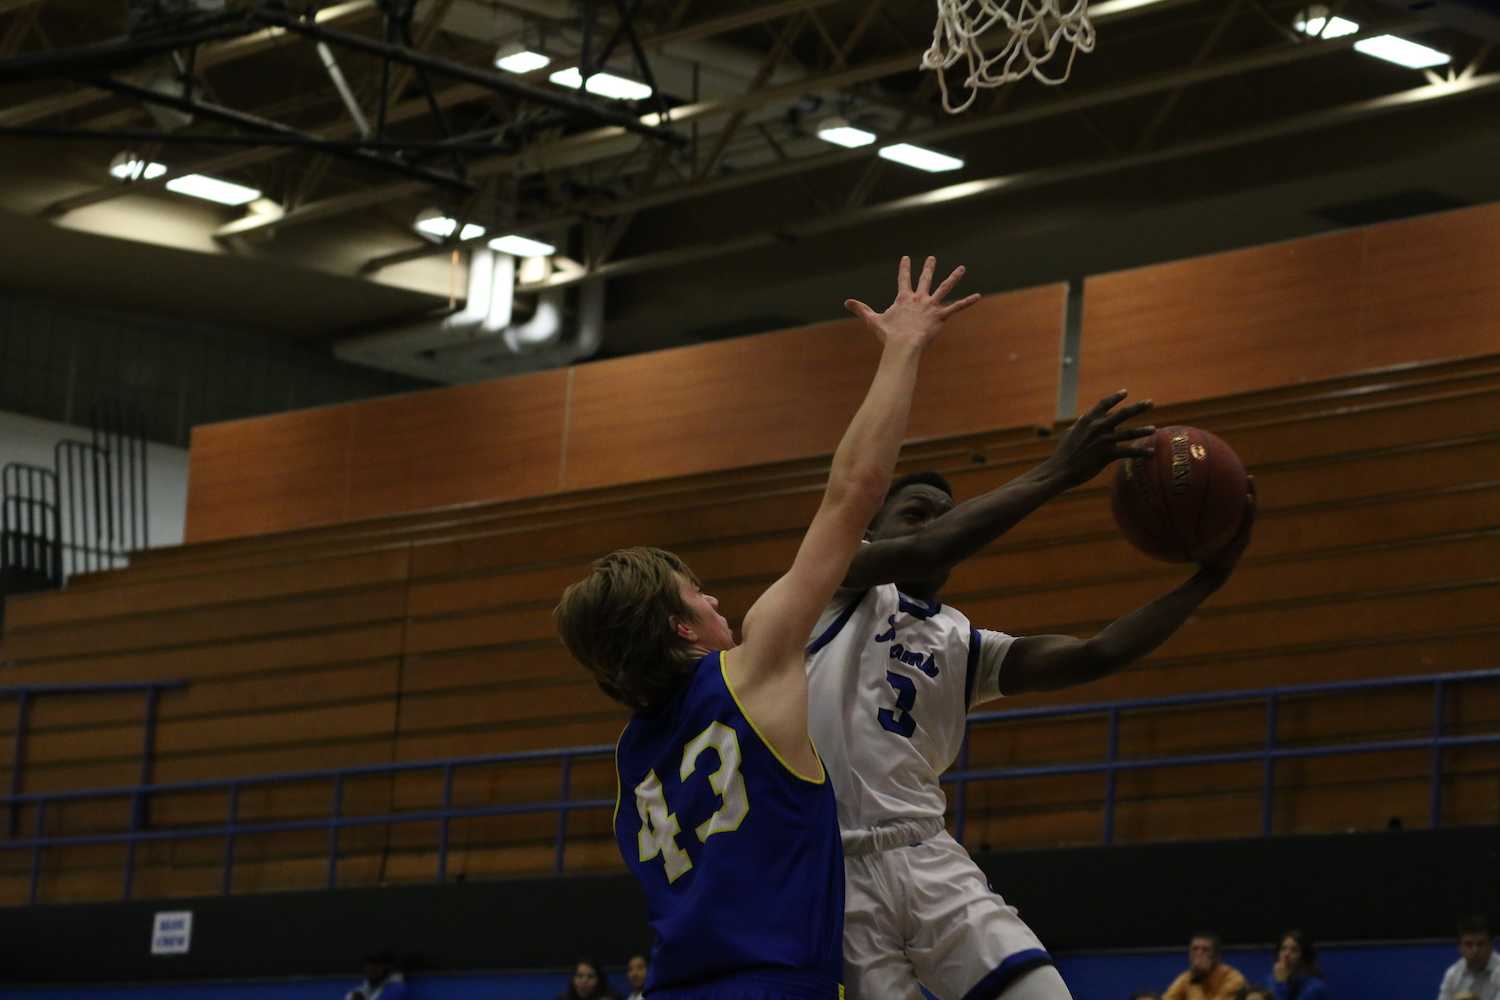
(1037, 30)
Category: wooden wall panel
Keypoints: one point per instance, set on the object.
(790, 394)
(1401, 293)
(249, 477)
(490, 441)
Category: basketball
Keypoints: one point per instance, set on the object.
(1183, 503)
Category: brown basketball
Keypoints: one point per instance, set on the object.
(1184, 502)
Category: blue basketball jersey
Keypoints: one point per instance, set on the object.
(739, 856)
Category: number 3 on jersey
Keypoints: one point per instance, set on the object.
(659, 826)
(900, 721)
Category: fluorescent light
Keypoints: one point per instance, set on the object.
(841, 133)
(441, 227)
(1401, 52)
(524, 61)
(602, 84)
(1322, 26)
(520, 246)
(1111, 7)
(923, 159)
(212, 189)
(129, 168)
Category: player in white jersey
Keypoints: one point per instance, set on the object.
(893, 674)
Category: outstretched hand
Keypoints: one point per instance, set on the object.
(918, 312)
(1097, 439)
(1222, 563)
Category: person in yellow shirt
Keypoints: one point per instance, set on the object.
(1206, 978)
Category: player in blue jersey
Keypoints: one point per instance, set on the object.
(725, 813)
(893, 673)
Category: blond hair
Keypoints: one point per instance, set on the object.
(618, 623)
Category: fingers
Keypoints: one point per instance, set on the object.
(859, 309)
(903, 278)
(1133, 451)
(924, 283)
(1131, 433)
(959, 306)
(948, 283)
(1105, 405)
(1127, 413)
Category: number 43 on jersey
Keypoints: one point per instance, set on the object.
(659, 826)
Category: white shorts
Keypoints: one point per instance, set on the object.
(917, 909)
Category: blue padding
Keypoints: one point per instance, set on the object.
(1363, 972)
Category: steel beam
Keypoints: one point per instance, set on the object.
(1311, 122)
(1272, 57)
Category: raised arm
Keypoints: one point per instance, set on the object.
(1095, 440)
(767, 669)
(1049, 662)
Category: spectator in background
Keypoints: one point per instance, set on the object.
(383, 979)
(635, 974)
(1296, 973)
(1206, 978)
(588, 983)
(1475, 976)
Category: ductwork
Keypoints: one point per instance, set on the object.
(479, 341)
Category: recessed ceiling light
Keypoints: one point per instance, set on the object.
(1402, 52)
(520, 246)
(518, 59)
(841, 133)
(213, 189)
(441, 227)
(602, 84)
(922, 159)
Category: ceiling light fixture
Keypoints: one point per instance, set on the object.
(130, 167)
(929, 160)
(521, 246)
(602, 84)
(841, 133)
(213, 189)
(432, 223)
(517, 58)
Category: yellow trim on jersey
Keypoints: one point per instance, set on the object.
(822, 772)
(614, 817)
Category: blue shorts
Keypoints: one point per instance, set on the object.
(760, 984)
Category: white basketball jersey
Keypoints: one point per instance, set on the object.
(890, 683)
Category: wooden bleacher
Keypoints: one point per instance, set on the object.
(429, 635)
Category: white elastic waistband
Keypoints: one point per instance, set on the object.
(889, 836)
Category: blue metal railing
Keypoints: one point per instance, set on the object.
(564, 806)
(1268, 754)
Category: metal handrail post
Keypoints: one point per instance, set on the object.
(562, 813)
(442, 865)
(1112, 755)
(1268, 771)
(333, 831)
(1435, 804)
(18, 757)
(36, 850)
(233, 823)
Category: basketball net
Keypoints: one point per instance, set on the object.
(1036, 30)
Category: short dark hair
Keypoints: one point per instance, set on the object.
(1145, 995)
(1474, 923)
(1210, 936)
(928, 478)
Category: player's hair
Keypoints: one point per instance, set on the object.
(1474, 923)
(1210, 936)
(928, 478)
(617, 622)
